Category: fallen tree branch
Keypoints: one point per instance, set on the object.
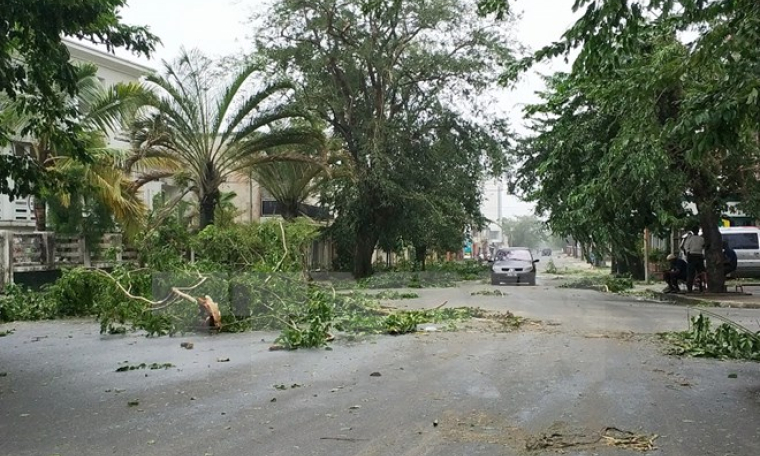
(213, 315)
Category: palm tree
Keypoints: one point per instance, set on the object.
(100, 111)
(209, 130)
(289, 183)
(292, 183)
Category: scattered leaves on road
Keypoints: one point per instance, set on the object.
(152, 366)
(488, 293)
(283, 387)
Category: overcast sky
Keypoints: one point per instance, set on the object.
(218, 28)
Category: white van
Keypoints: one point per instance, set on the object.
(745, 240)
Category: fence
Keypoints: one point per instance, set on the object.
(47, 251)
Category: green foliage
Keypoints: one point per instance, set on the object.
(82, 214)
(151, 366)
(77, 292)
(238, 130)
(416, 161)
(256, 247)
(404, 322)
(383, 295)
(312, 328)
(727, 341)
(35, 69)
(165, 245)
(19, 304)
(649, 122)
(609, 283)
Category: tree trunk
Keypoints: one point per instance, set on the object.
(420, 254)
(40, 214)
(363, 250)
(289, 210)
(208, 204)
(708, 219)
(626, 264)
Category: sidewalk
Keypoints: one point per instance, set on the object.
(746, 300)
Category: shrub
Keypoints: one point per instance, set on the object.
(21, 304)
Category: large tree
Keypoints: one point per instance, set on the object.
(35, 68)
(439, 165)
(688, 109)
(206, 127)
(377, 72)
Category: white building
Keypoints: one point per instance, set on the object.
(18, 215)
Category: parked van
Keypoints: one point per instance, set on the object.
(745, 240)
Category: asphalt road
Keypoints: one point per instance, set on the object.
(589, 362)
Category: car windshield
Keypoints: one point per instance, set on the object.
(519, 255)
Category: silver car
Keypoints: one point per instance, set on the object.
(514, 265)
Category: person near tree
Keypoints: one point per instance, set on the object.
(678, 271)
(694, 247)
(729, 259)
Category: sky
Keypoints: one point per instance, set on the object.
(218, 28)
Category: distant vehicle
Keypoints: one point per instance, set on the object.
(514, 265)
(745, 240)
(546, 252)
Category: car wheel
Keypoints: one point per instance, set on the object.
(494, 281)
(532, 281)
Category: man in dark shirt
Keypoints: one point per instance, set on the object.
(678, 271)
(729, 259)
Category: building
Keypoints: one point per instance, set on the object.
(250, 199)
(18, 215)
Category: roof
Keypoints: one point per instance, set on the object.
(80, 51)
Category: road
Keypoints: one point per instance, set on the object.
(591, 361)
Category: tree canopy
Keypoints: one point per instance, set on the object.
(647, 121)
(203, 127)
(394, 80)
(35, 69)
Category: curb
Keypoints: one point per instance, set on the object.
(696, 301)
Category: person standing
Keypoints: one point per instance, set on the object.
(694, 247)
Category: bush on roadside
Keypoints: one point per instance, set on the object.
(22, 304)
